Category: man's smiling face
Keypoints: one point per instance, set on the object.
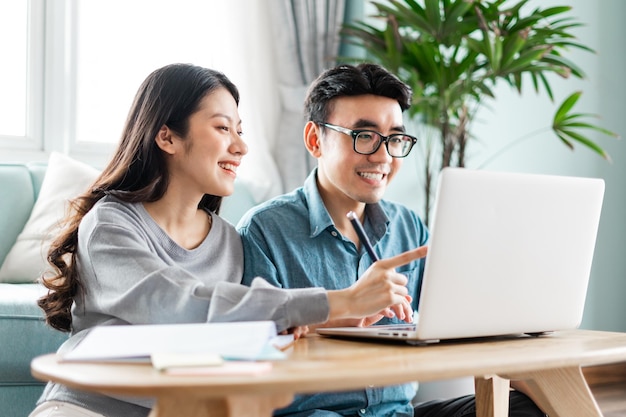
(343, 173)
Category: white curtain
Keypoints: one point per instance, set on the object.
(251, 47)
(306, 41)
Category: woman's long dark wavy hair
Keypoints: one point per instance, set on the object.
(136, 173)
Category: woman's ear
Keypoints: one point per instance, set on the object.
(312, 138)
(164, 140)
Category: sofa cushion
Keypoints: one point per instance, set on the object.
(17, 196)
(65, 178)
(23, 332)
(19, 400)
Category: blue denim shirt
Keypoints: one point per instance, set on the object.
(292, 242)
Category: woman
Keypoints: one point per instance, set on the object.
(145, 244)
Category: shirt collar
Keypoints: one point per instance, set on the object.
(320, 220)
(378, 220)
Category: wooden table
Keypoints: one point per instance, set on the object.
(551, 366)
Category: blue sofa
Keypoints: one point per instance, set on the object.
(23, 332)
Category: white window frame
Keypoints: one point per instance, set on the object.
(60, 86)
(32, 141)
(51, 101)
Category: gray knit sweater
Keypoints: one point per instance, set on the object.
(134, 273)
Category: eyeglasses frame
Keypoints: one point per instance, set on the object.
(355, 132)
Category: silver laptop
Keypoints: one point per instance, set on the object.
(509, 254)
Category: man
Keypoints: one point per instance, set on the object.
(355, 131)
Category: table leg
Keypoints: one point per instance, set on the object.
(492, 396)
(561, 392)
(234, 405)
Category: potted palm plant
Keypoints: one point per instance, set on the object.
(454, 52)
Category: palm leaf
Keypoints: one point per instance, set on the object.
(565, 107)
(454, 52)
(566, 135)
(565, 139)
(563, 63)
(546, 85)
(554, 11)
(511, 47)
(524, 61)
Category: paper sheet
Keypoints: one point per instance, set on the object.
(234, 341)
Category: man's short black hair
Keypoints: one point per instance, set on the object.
(350, 80)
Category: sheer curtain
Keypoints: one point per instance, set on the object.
(306, 41)
(251, 50)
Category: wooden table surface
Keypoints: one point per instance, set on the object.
(549, 364)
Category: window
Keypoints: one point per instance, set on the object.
(119, 42)
(85, 60)
(21, 40)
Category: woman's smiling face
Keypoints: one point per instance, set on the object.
(213, 147)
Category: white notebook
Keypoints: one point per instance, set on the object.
(509, 254)
(248, 340)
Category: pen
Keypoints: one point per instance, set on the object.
(358, 228)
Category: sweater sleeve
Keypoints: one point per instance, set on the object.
(129, 278)
(286, 307)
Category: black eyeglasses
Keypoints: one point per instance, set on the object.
(367, 142)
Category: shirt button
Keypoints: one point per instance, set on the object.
(333, 233)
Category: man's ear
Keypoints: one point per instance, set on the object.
(164, 140)
(312, 138)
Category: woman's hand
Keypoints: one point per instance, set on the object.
(298, 331)
(380, 291)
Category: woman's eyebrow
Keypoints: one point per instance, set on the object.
(227, 117)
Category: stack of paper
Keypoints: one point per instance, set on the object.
(181, 344)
